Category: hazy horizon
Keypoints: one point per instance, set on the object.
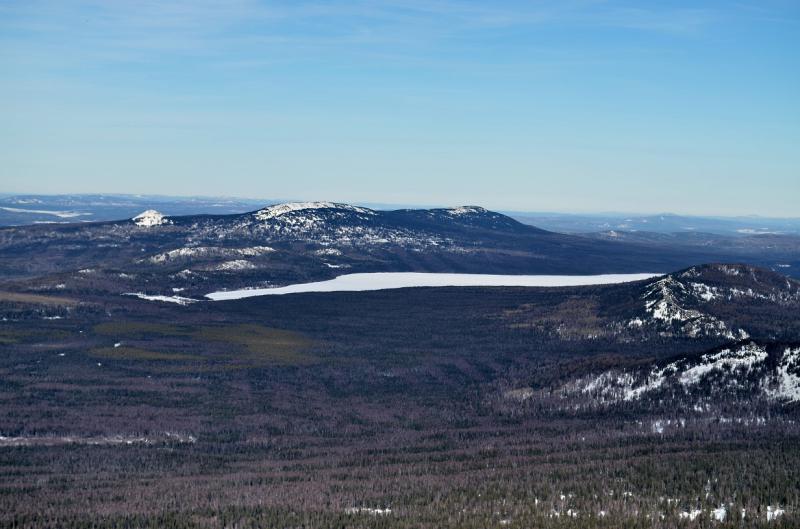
(687, 107)
(388, 206)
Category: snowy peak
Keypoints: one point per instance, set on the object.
(665, 300)
(150, 218)
(466, 214)
(466, 210)
(321, 222)
(278, 210)
(673, 306)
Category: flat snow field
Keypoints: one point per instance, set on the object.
(387, 280)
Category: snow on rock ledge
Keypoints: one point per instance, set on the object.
(150, 218)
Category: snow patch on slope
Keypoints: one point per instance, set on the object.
(235, 265)
(209, 252)
(786, 387)
(167, 299)
(730, 360)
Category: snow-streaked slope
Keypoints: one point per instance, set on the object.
(743, 367)
(786, 383)
(389, 280)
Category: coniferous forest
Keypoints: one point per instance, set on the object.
(445, 407)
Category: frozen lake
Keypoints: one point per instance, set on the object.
(387, 280)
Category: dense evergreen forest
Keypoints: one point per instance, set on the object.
(408, 408)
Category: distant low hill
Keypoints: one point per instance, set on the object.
(21, 210)
(305, 241)
(666, 223)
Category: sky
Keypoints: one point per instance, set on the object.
(576, 106)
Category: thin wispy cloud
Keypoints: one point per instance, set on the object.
(118, 30)
(536, 94)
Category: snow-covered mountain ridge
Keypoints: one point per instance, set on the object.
(682, 302)
(766, 371)
(717, 303)
(330, 223)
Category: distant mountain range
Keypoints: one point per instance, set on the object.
(159, 254)
(18, 210)
(770, 242)
(665, 223)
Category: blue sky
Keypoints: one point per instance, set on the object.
(689, 107)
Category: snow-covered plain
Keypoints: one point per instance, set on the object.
(388, 280)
